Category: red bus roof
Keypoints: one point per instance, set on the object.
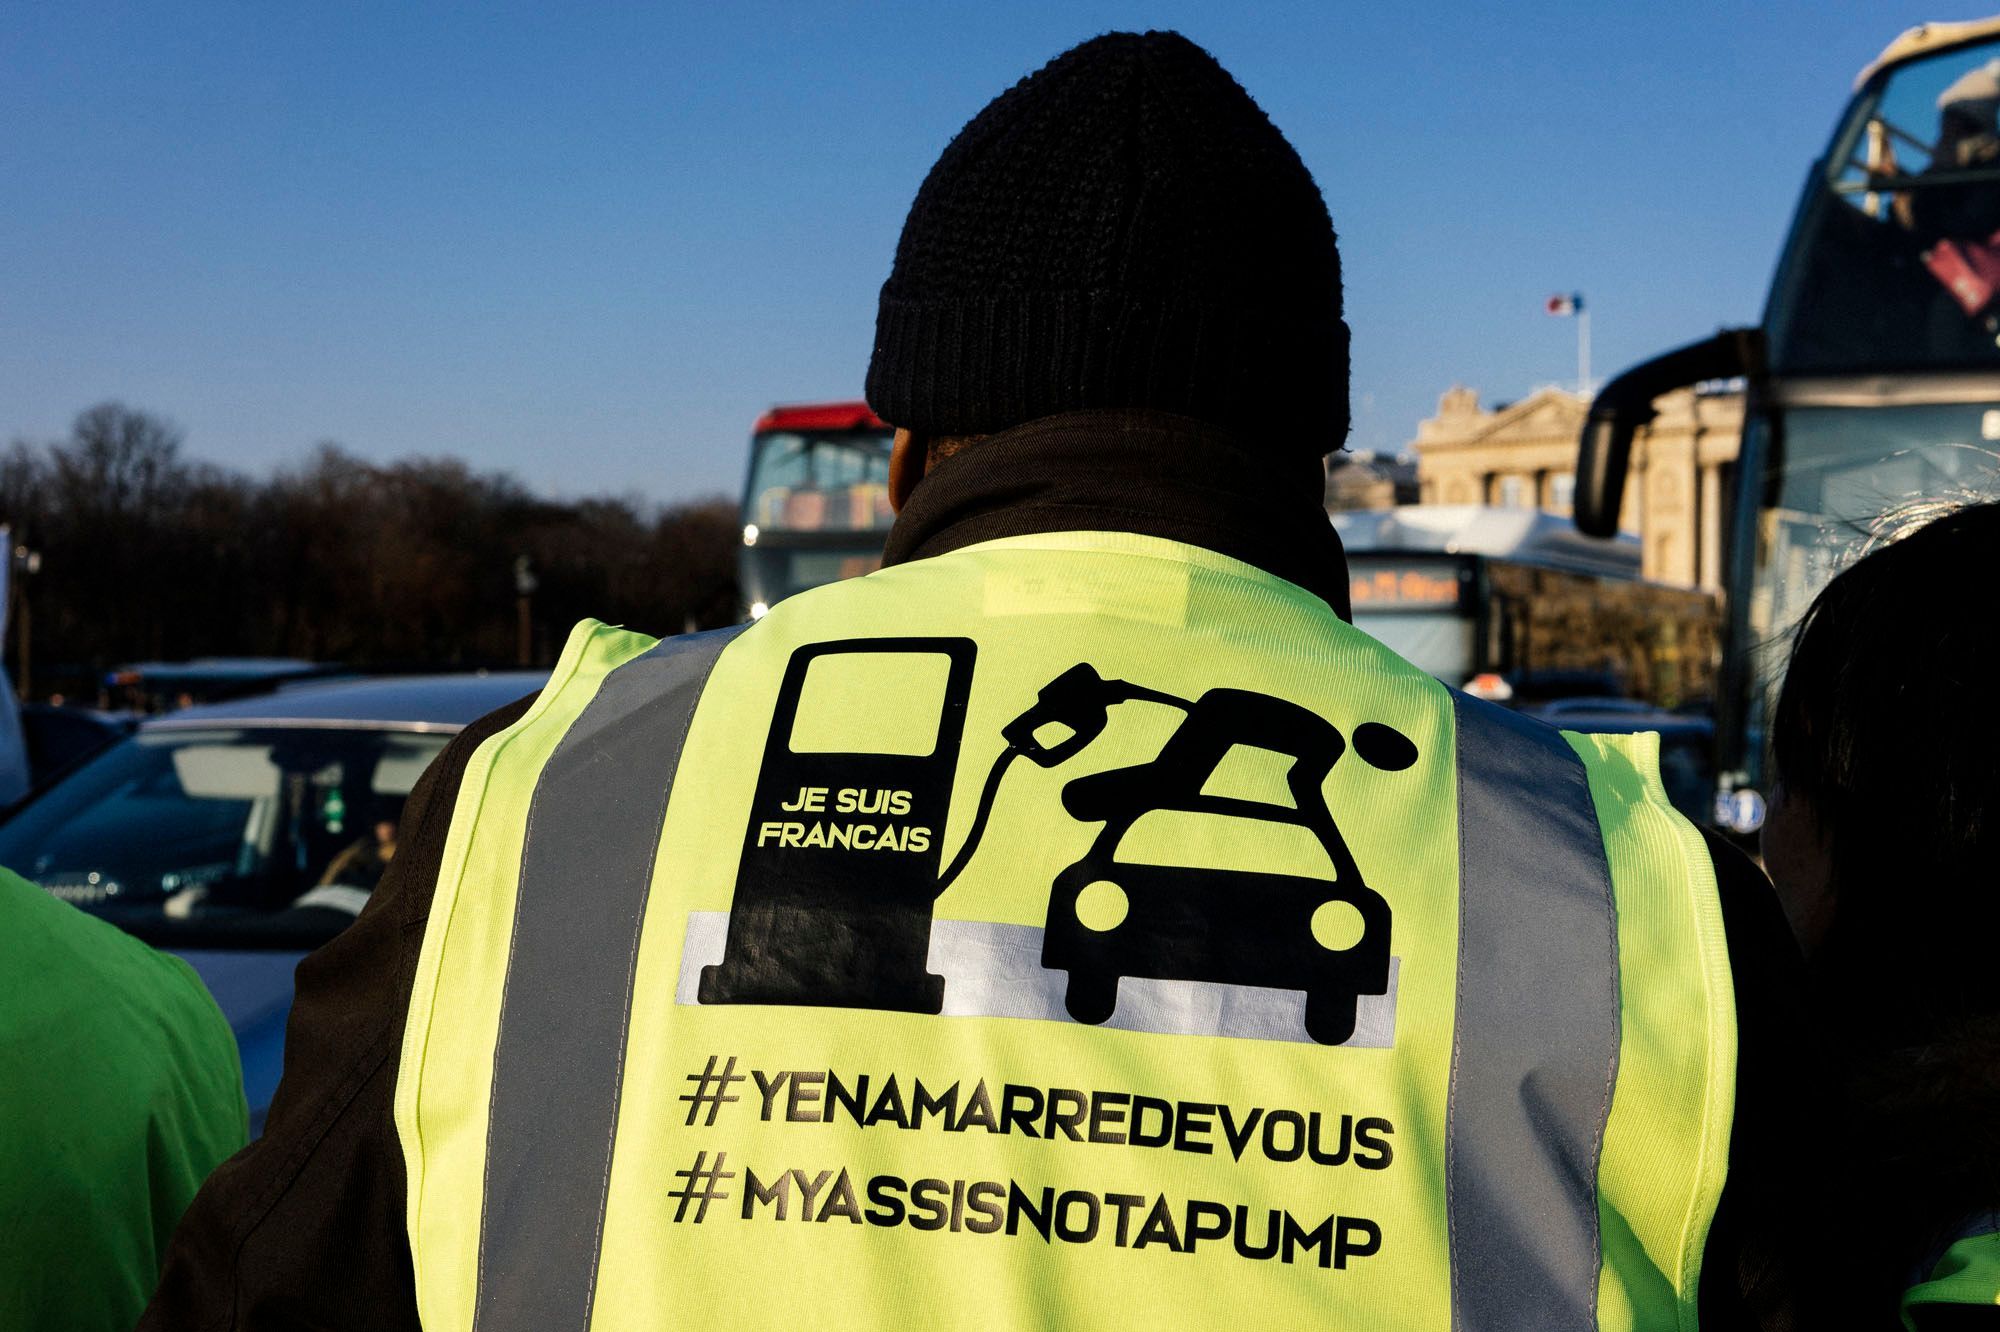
(821, 416)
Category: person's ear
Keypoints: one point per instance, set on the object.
(907, 457)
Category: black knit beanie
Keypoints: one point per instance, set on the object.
(1122, 228)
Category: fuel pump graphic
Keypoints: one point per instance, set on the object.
(843, 918)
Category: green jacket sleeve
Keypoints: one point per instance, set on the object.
(1965, 1279)
(119, 1091)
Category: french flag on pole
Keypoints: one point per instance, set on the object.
(1564, 306)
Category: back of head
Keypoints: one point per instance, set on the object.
(1122, 228)
(1887, 728)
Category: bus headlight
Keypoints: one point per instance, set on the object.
(750, 534)
(758, 610)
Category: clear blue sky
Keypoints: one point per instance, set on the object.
(588, 244)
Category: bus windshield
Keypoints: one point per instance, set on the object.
(837, 482)
(1847, 479)
(1895, 262)
(816, 510)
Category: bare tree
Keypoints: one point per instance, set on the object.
(408, 564)
(123, 460)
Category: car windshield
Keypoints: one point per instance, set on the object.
(819, 483)
(224, 825)
(1896, 261)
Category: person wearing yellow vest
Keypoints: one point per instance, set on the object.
(1075, 923)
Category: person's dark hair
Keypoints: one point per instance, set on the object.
(939, 447)
(1888, 728)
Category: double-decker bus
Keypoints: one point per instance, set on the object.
(816, 502)
(1872, 385)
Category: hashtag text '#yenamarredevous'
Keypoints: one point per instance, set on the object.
(814, 1096)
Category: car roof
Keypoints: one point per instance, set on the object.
(1577, 715)
(414, 702)
(225, 668)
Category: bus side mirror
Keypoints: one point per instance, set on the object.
(1604, 453)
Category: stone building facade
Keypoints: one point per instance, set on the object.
(1357, 479)
(1524, 454)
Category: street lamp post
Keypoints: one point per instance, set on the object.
(26, 564)
(525, 584)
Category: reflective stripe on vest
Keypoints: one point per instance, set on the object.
(585, 871)
(614, 1056)
(1535, 1050)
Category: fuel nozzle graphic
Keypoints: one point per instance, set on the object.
(1080, 701)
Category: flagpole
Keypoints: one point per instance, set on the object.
(1573, 307)
(1583, 350)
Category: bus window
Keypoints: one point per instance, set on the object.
(1851, 478)
(816, 508)
(1897, 262)
(1439, 643)
(819, 483)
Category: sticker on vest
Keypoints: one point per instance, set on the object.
(841, 864)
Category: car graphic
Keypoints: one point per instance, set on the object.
(1239, 927)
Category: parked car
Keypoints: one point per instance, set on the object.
(162, 686)
(242, 835)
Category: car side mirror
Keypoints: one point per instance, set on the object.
(1604, 452)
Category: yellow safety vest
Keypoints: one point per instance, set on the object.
(1078, 930)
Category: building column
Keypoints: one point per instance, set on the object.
(1668, 517)
(1709, 574)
